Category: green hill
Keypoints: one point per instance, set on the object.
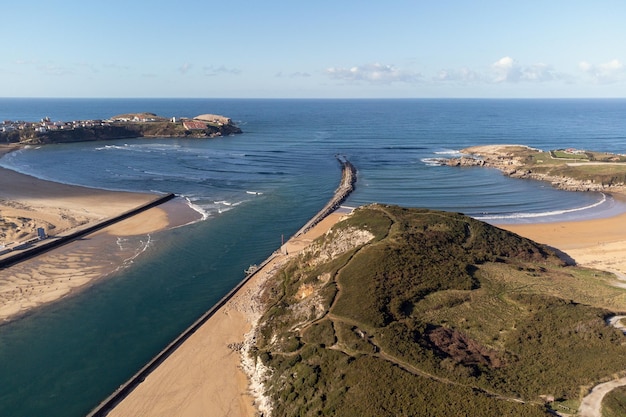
(406, 312)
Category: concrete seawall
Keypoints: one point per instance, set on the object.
(42, 246)
(346, 186)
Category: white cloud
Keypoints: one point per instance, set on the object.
(606, 73)
(504, 70)
(25, 62)
(48, 68)
(508, 70)
(540, 73)
(116, 67)
(373, 73)
(88, 67)
(54, 69)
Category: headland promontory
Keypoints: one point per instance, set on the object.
(566, 169)
(123, 126)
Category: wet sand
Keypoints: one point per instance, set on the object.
(27, 203)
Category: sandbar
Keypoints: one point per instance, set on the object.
(27, 203)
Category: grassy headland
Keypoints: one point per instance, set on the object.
(574, 170)
(417, 312)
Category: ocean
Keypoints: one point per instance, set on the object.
(253, 188)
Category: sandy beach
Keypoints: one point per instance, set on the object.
(27, 203)
(594, 243)
(203, 377)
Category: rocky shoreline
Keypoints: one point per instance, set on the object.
(512, 161)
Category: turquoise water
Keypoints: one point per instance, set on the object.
(64, 359)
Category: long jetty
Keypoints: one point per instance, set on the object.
(42, 246)
(348, 181)
(346, 186)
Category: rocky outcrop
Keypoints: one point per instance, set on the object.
(510, 160)
(570, 184)
(465, 161)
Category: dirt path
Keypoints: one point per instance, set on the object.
(591, 405)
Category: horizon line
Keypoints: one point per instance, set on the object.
(309, 98)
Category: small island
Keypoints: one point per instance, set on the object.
(566, 169)
(124, 126)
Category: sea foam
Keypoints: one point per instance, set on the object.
(534, 216)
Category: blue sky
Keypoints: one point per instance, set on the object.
(311, 49)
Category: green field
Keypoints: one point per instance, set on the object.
(593, 167)
(614, 403)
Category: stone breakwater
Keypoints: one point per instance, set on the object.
(348, 180)
(512, 165)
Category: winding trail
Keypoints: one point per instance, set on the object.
(591, 405)
(378, 351)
